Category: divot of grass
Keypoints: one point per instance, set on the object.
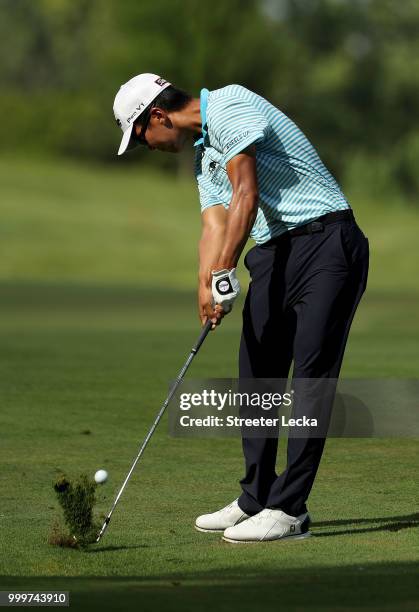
(77, 499)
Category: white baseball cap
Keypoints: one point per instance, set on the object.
(132, 99)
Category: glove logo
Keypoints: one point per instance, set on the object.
(224, 286)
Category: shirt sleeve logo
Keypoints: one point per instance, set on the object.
(236, 139)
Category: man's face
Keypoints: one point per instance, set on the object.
(160, 133)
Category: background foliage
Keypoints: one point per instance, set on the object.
(345, 70)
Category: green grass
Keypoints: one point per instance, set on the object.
(97, 314)
(74, 359)
(76, 223)
(130, 226)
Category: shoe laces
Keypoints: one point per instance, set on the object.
(231, 507)
(262, 515)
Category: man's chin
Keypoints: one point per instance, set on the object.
(171, 148)
(174, 148)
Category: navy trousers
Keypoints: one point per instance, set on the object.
(301, 301)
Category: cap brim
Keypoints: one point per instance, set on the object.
(125, 140)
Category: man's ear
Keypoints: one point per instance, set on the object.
(161, 116)
(157, 113)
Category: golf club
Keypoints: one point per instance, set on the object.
(178, 380)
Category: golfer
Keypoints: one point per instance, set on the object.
(259, 176)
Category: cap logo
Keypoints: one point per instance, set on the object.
(131, 116)
(135, 113)
(160, 81)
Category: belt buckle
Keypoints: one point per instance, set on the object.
(315, 226)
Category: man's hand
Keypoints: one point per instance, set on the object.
(225, 288)
(207, 310)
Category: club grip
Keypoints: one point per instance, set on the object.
(204, 333)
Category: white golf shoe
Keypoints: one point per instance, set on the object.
(220, 520)
(269, 525)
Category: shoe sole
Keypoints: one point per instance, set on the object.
(209, 530)
(300, 536)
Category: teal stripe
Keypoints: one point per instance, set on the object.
(203, 109)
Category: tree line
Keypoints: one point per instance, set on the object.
(345, 70)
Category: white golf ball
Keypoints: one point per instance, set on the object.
(101, 476)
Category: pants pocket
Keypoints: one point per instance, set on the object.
(354, 244)
(246, 259)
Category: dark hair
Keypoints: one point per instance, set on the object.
(170, 99)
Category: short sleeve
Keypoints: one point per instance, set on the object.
(207, 195)
(206, 198)
(234, 124)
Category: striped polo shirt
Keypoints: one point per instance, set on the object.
(294, 185)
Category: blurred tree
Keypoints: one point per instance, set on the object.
(345, 70)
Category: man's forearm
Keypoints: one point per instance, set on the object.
(210, 247)
(240, 219)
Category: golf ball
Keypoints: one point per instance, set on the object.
(101, 476)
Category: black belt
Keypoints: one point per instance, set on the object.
(318, 224)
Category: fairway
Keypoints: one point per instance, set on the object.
(102, 366)
(85, 365)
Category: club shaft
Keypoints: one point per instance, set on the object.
(172, 391)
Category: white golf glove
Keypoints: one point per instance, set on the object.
(225, 288)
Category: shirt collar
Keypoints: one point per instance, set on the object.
(203, 107)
